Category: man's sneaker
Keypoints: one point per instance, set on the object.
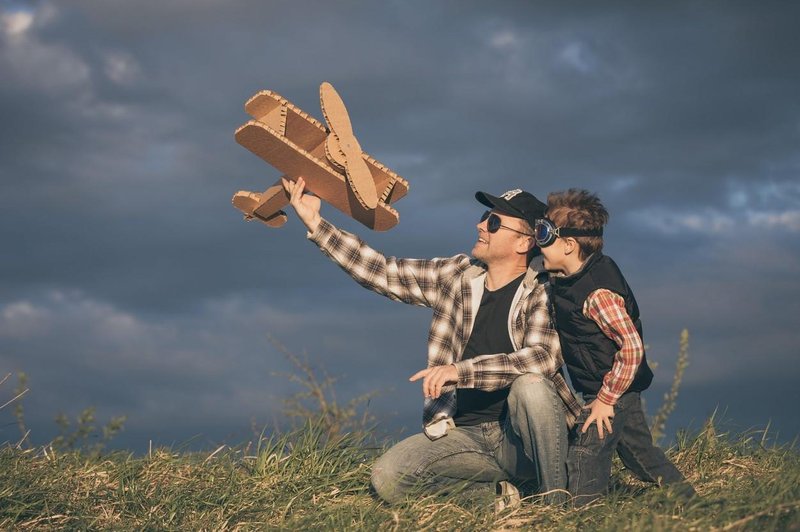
(508, 497)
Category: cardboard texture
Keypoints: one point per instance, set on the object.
(330, 160)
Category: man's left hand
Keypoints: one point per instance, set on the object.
(435, 378)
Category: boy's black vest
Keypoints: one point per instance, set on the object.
(588, 352)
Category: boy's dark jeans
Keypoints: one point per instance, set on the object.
(589, 457)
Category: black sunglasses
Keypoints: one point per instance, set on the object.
(493, 223)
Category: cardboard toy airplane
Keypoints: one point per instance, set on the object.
(330, 161)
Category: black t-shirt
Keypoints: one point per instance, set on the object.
(490, 335)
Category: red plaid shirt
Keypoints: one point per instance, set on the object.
(452, 287)
(607, 310)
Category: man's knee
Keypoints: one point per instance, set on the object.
(393, 474)
(385, 480)
(530, 390)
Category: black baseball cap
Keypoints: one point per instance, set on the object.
(516, 203)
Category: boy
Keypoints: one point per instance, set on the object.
(601, 340)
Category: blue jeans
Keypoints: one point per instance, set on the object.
(529, 445)
(589, 457)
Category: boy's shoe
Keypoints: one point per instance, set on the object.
(683, 490)
(508, 497)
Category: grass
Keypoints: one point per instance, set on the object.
(303, 480)
(317, 478)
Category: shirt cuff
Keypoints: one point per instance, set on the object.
(322, 233)
(605, 396)
(466, 373)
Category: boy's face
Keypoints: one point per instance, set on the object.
(555, 256)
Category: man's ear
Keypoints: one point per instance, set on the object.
(525, 245)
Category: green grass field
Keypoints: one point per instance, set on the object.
(302, 481)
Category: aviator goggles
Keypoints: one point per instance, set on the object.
(545, 232)
(493, 223)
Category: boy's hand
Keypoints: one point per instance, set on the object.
(435, 378)
(602, 414)
(306, 205)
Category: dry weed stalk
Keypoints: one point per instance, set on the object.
(670, 398)
(317, 399)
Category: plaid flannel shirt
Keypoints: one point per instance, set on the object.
(452, 287)
(607, 310)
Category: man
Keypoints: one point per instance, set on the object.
(496, 403)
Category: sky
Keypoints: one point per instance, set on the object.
(129, 283)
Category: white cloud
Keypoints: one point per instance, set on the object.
(669, 222)
(16, 23)
(622, 184)
(101, 333)
(576, 56)
(738, 199)
(21, 319)
(30, 63)
(511, 60)
(710, 221)
(61, 312)
(766, 204)
(789, 220)
(203, 370)
(767, 195)
(504, 39)
(121, 68)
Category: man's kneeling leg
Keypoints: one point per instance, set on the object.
(461, 460)
(538, 441)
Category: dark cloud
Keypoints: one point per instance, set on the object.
(128, 281)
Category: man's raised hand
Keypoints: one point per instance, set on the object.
(435, 378)
(305, 205)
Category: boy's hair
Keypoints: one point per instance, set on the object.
(579, 209)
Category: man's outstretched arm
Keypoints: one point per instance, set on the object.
(412, 281)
